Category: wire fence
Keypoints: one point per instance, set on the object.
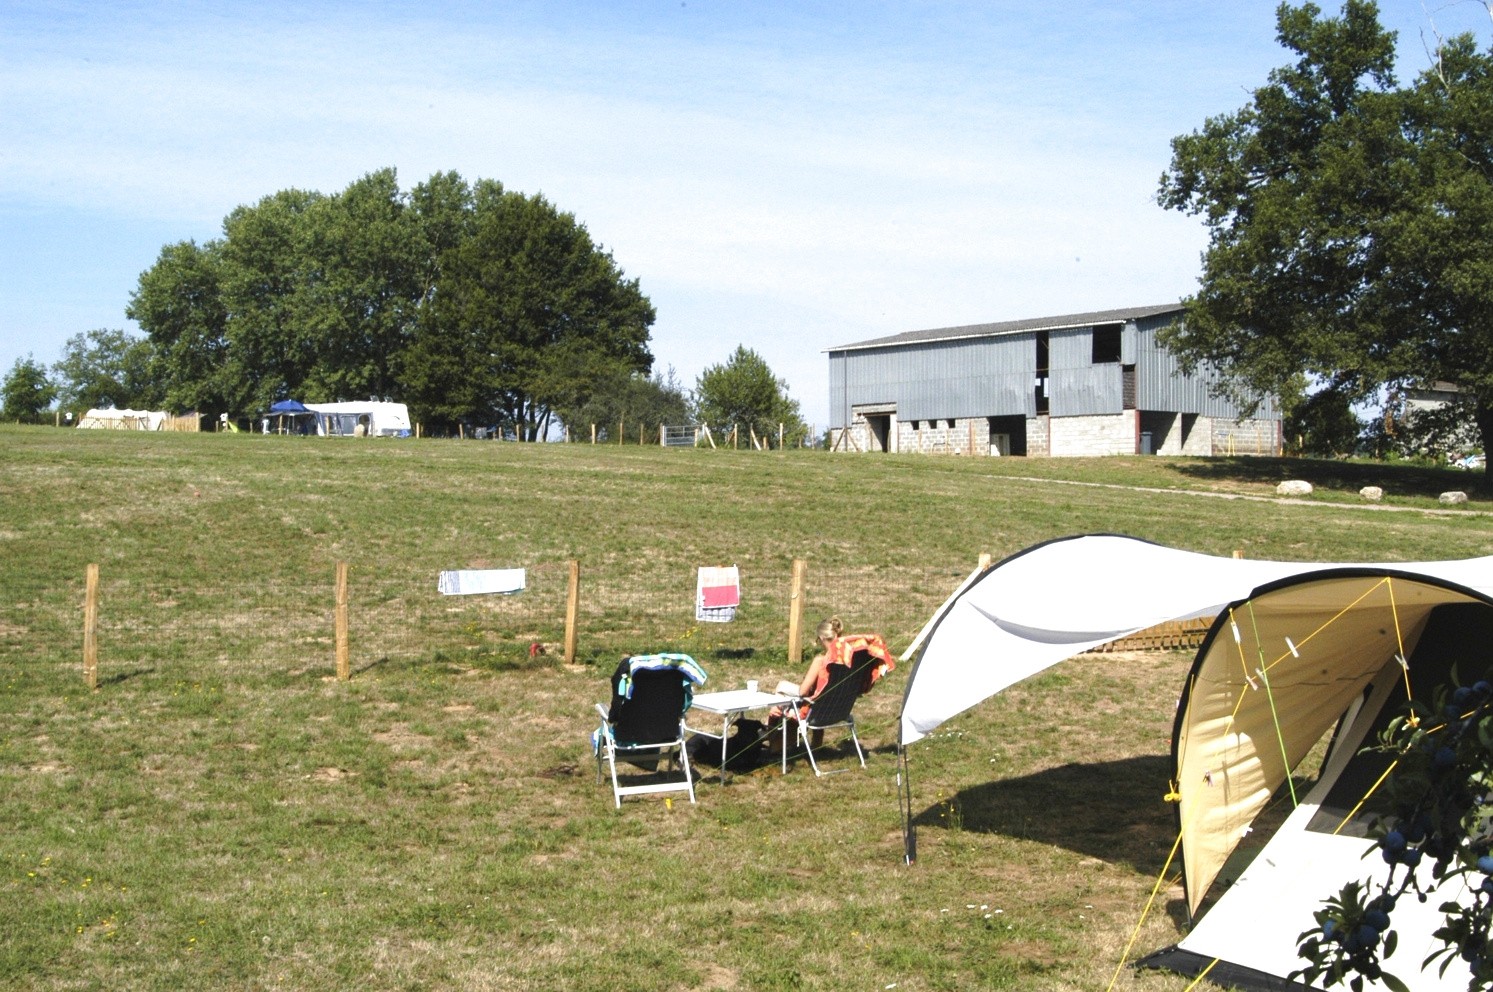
(259, 629)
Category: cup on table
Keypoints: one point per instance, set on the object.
(751, 685)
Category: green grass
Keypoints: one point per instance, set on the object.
(222, 813)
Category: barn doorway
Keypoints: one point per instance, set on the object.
(1007, 436)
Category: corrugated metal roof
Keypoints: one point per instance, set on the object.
(1121, 316)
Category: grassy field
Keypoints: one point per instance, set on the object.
(223, 813)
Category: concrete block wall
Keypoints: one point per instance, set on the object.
(936, 437)
(1039, 436)
(1245, 437)
(1106, 434)
(1071, 437)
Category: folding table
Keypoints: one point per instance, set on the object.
(733, 703)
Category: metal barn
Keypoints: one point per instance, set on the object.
(1082, 384)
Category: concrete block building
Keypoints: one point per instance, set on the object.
(1076, 385)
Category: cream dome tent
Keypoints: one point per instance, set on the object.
(124, 420)
(1297, 649)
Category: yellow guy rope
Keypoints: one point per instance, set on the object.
(1367, 794)
(1135, 934)
(1201, 975)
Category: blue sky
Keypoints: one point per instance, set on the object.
(787, 176)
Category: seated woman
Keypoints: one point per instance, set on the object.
(815, 679)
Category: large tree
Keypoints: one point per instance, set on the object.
(26, 392)
(744, 393)
(179, 302)
(1350, 219)
(106, 368)
(471, 303)
(527, 311)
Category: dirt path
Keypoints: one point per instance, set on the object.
(1286, 500)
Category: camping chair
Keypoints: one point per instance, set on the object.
(828, 710)
(645, 724)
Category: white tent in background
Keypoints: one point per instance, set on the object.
(1297, 649)
(124, 420)
(379, 419)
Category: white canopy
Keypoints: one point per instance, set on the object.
(1061, 598)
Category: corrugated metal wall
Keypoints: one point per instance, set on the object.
(984, 377)
(1078, 386)
(994, 376)
(1160, 384)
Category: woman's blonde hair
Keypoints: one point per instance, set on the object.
(833, 627)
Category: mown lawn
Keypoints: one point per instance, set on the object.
(224, 813)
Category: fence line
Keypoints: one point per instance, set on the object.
(359, 619)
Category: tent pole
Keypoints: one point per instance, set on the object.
(904, 799)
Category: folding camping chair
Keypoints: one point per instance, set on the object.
(829, 710)
(645, 725)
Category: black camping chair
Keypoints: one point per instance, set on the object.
(645, 730)
(831, 709)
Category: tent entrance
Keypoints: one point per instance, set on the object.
(1322, 842)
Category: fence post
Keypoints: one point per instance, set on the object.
(593, 433)
(344, 670)
(572, 609)
(796, 611)
(660, 435)
(90, 628)
(984, 561)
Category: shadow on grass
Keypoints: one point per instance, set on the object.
(1112, 810)
(116, 679)
(1394, 479)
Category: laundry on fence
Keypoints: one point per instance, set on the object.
(717, 593)
(486, 580)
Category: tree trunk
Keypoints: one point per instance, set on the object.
(1484, 417)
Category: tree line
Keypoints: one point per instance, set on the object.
(474, 304)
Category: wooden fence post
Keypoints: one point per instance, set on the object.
(90, 628)
(796, 612)
(984, 561)
(344, 669)
(593, 433)
(660, 435)
(572, 610)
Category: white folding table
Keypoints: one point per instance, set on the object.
(731, 704)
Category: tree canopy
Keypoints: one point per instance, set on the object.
(1350, 219)
(743, 393)
(469, 302)
(104, 368)
(26, 391)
